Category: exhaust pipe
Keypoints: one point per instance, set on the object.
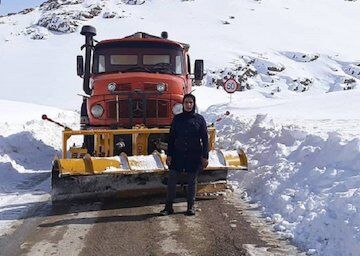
(89, 32)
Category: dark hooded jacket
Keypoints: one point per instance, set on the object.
(188, 142)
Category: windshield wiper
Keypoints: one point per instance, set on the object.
(162, 67)
(137, 68)
(164, 70)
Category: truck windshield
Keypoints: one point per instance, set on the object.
(139, 59)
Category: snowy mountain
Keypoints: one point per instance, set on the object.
(297, 117)
(274, 47)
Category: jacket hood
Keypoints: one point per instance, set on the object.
(192, 112)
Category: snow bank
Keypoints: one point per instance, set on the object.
(307, 185)
(27, 147)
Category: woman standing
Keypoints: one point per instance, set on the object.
(188, 150)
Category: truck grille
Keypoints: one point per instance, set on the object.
(150, 87)
(136, 109)
(123, 87)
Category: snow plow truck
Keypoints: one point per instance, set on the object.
(134, 86)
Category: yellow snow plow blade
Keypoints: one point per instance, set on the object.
(128, 176)
(155, 162)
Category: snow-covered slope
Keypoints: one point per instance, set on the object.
(297, 117)
(281, 46)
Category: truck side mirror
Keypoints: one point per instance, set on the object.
(199, 70)
(80, 65)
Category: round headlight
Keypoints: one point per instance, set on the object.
(97, 110)
(177, 108)
(112, 87)
(160, 87)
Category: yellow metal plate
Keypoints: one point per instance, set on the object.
(77, 166)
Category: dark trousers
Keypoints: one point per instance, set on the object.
(171, 186)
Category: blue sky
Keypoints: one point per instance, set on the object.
(7, 6)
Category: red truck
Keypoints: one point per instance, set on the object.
(136, 80)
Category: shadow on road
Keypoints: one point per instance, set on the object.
(46, 209)
(106, 219)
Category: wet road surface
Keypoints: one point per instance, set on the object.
(221, 226)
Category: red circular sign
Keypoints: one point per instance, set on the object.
(230, 85)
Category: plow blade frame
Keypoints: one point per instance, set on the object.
(119, 185)
(105, 175)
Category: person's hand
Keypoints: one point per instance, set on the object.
(168, 160)
(205, 163)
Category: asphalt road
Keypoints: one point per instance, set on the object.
(221, 226)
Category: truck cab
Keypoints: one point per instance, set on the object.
(136, 80)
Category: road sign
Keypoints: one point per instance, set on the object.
(230, 85)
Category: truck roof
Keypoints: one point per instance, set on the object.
(144, 37)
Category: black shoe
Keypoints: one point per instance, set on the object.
(190, 209)
(167, 210)
(190, 212)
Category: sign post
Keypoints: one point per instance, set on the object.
(230, 86)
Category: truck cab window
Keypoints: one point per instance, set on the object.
(178, 66)
(101, 64)
(160, 60)
(123, 59)
(156, 59)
